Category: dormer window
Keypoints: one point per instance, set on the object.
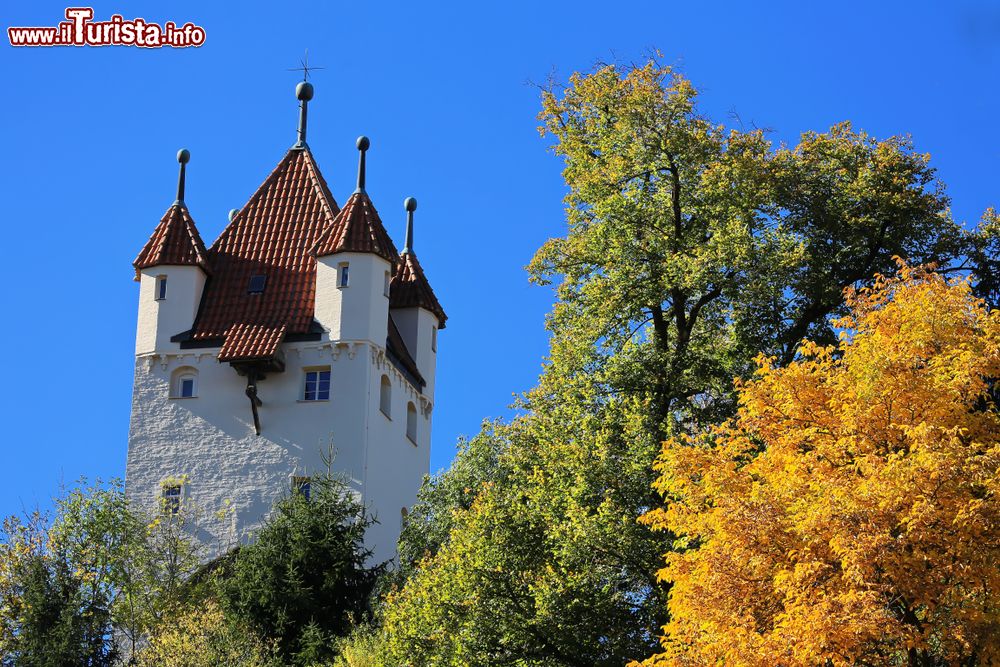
(257, 282)
(343, 274)
(161, 288)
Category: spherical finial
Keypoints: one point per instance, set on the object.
(363, 143)
(232, 213)
(304, 91)
(410, 204)
(183, 156)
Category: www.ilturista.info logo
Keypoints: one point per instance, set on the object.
(80, 30)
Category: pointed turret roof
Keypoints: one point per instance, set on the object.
(358, 228)
(410, 288)
(270, 236)
(175, 241)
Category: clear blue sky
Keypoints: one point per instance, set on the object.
(442, 89)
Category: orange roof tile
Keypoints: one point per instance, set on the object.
(358, 228)
(175, 241)
(248, 342)
(271, 235)
(409, 288)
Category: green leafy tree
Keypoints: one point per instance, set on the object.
(89, 582)
(691, 249)
(431, 519)
(306, 576)
(202, 636)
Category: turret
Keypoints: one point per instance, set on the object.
(414, 308)
(355, 261)
(171, 270)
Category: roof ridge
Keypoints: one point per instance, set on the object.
(344, 234)
(317, 176)
(271, 237)
(410, 288)
(169, 246)
(327, 200)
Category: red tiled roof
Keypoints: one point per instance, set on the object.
(409, 288)
(174, 241)
(246, 342)
(357, 229)
(271, 235)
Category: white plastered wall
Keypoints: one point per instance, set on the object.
(160, 319)
(396, 465)
(360, 310)
(210, 439)
(417, 326)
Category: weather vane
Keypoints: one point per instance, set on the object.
(305, 68)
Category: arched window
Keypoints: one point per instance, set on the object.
(184, 383)
(385, 397)
(411, 422)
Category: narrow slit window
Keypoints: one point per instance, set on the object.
(385, 396)
(411, 422)
(385, 289)
(317, 385)
(161, 288)
(257, 283)
(343, 274)
(434, 338)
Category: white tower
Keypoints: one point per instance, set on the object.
(415, 309)
(171, 270)
(354, 265)
(300, 329)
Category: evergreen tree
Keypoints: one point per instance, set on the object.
(306, 576)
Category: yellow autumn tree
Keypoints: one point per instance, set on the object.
(849, 514)
(204, 637)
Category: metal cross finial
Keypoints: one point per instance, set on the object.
(305, 68)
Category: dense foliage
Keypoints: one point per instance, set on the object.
(691, 249)
(68, 579)
(100, 584)
(835, 506)
(306, 577)
(849, 514)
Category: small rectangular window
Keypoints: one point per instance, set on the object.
(172, 499)
(434, 339)
(317, 386)
(385, 290)
(257, 283)
(187, 387)
(302, 485)
(161, 288)
(343, 274)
